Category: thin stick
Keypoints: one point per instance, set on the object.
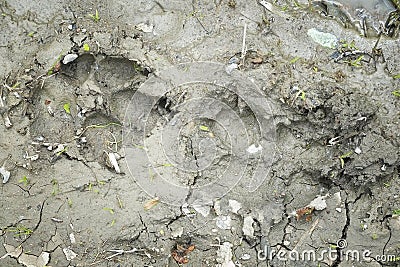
(118, 252)
(243, 54)
(309, 233)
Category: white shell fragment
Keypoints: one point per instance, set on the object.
(248, 229)
(231, 67)
(338, 197)
(59, 149)
(50, 111)
(325, 39)
(145, 27)
(217, 207)
(113, 160)
(7, 121)
(357, 150)
(234, 205)
(69, 254)
(69, 58)
(245, 257)
(202, 209)
(31, 158)
(72, 238)
(318, 203)
(5, 174)
(224, 255)
(177, 232)
(185, 209)
(254, 149)
(273, 9)
(223, 222)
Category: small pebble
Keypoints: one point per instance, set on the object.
(69, 58)
(245, 257)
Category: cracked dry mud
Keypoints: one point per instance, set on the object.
(73, 201)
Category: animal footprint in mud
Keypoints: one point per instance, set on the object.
(193, 132)
(96, 90)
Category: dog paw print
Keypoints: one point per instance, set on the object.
(85, 104)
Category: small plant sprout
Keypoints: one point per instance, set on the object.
(86, 47)
(95, 17)
(303, 95)
(120, 203)
(396, 212)
(21, 230)
(137, 67)
(344, 156)
(397, 76)
(350, 46)
(110, 210)
(167, 165)
(374, 236)
(357, 62)
(60, 152)
(15, 86)
(396, 93)
(152, 175)
(56, 65)
(67, 108)
(24, 180)
(300, 94)
(69, 202)
(56, 188)
(294, 60)
(204, 128)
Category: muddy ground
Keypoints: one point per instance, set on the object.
(328, 128)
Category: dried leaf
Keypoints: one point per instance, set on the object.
(178, 258)
(151, 203)
(303, 211)
(257, 60)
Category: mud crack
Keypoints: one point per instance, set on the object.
(339, 249)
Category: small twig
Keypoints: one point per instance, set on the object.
(244, 50)
(118, 252)
(309, 233)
